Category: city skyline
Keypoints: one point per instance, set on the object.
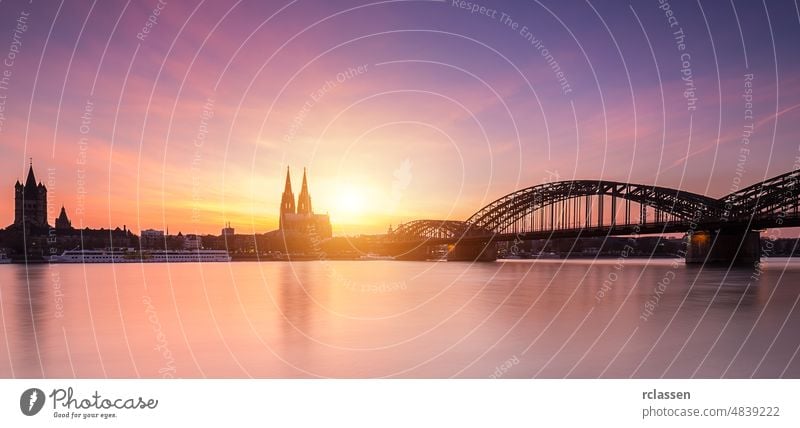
(32, 207)
(403, 110)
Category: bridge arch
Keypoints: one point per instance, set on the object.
(572, 204)
(435, 229)
(774, 196)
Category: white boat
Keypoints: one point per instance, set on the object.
(129, 256)
(548, 255)
(89, 256)
(186, 256)
(372, 256)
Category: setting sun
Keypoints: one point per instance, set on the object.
(349, 201)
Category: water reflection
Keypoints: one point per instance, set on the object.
(30, 314)
(550, 318)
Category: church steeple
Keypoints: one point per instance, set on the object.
(287, 188)
(304, 200)
(302, 222)
(30, 201)
(62, 222)
(287, 200)
(30, 182)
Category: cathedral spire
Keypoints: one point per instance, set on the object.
(287, 199)
(304, 200)
(287, 188)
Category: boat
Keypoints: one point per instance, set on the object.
(373, 256)
(186, 256)
(89, 256)
(129, 256)
(4, 260)
(546, 255)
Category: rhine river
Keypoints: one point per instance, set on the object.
(343, 319)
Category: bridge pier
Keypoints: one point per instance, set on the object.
(720, 247)
(480, 251)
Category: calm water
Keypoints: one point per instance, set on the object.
(404, 319)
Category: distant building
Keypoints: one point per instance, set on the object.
(228, 230)
(30, 203)
(192, 242)
(152, 239)
(32, 235)
(62, 222)
(302, 220)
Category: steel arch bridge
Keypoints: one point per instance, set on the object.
(765, 204)
(435, 229)
(595, 208)
(583, 204)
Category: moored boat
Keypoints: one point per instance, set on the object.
(373, 256)
(131, 256)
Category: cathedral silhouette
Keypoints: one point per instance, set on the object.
(300, 218)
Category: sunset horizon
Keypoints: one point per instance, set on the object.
(200, 126)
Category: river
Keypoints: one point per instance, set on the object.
(512, 319)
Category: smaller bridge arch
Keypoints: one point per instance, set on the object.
(434, 229)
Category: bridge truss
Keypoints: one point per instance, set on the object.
(595, 207)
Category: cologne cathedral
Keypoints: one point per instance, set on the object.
(300, 218)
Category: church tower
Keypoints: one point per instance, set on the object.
(304, 200)
(30, 202)
(287, 200)
(300, 219)
(62, 222)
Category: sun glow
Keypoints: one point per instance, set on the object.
(350, 202)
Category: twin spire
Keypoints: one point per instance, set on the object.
(303, 201)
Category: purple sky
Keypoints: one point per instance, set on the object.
(399, 109)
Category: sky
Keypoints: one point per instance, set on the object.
(185, 115)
